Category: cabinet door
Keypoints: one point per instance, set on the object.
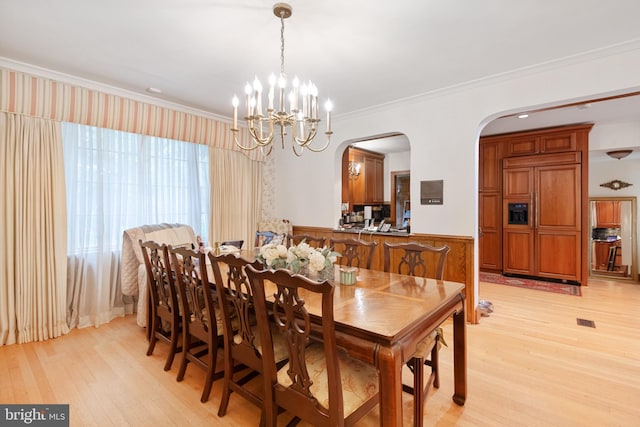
(357, 184)
(557, 222)
(558, 196)
(518, 256)
(490, 167)
(374, 179)
(490, 239)
(608, 213)
(518, 182)
(522, 146)
(557, 142)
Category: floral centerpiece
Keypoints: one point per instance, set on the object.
(301, 259)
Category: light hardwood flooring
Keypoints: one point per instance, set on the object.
(529, 364)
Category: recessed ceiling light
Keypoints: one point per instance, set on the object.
(153, 90)
(584, 106)
(523, 116)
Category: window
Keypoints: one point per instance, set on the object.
(118, 180)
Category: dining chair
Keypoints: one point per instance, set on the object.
(294, 239)
(165, 323)
(351, 251)
(412, 263)
(321, 384)
(201, 326)
(242, 344)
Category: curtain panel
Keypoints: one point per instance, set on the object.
(33, 96)
(33, 230)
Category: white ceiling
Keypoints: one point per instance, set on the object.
(360, 53)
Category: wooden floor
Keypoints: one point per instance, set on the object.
(529, 364)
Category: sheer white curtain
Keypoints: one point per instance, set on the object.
(118, 180)
(32, 230)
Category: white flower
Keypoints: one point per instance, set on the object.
(316, 261)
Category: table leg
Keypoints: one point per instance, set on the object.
(459, 357)
(389, 364)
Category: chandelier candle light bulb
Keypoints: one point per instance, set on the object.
(302, 116)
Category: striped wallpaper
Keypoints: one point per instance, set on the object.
(29, 95)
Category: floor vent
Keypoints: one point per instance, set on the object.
(585, 322)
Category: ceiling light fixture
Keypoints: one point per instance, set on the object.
(301, 118)
(619, 154)
(523, 116)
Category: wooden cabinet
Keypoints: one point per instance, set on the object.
(608, 214)
(490, 201)
(374, 179)
(368, 186)
(548, 242)
(544, 248)
(543, 143)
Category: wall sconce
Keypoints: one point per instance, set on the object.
(616, 184)
(354, 169)
(619, 154)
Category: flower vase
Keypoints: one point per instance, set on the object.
(327, 273)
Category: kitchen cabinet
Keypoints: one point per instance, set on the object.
(542, 216)
(368, 186)
(608, 214)
(490, 207)
(515, 248)
(543, 143)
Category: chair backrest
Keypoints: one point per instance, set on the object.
(235, 301)
(313, 241)
(352, 252)
(162, 289)
(412, 262)
(293, 322)
(196, 299)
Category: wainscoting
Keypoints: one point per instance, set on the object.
(459, 266)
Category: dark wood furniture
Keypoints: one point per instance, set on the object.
(411, 262)
(242, 344)
(310, 386)
(354, 252)
(201, 332)
(314, 241)
(529, 250)
(165, 323)
(386, 335)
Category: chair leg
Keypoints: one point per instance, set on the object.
(173, 349)
(226, 386)
(151, 335)
(186, 344)
(211, 370)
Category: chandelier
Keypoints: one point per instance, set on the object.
(295, 115)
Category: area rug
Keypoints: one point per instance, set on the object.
(560, 288)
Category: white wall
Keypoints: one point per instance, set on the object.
(394, 162)
(443, 130)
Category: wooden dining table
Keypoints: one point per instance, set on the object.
(383, 316)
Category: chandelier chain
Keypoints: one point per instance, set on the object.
(282, 42)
